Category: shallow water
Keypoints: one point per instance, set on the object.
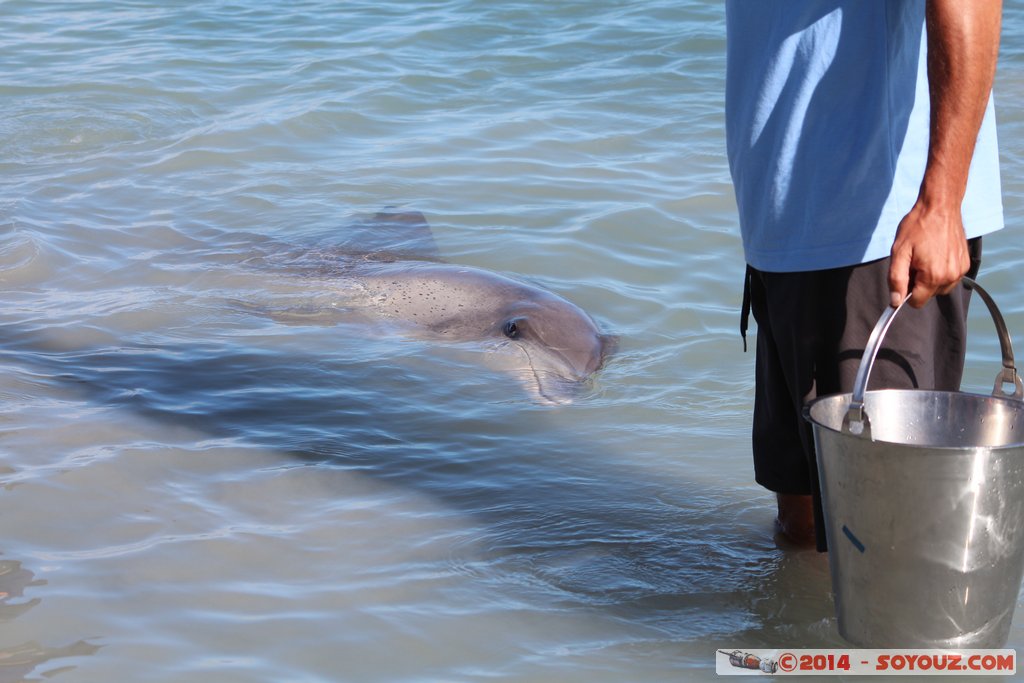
(195, 488)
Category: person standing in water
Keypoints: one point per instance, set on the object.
(862, 145)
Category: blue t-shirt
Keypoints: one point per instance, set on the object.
(827, 113)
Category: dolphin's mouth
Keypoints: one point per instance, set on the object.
(547, 385)
(553, 389)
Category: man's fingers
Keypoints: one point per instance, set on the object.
(948, 289)
(921, 294)
(899, 277)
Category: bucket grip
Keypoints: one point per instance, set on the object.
(856, 420)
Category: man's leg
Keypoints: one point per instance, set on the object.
(788, 337)
(796, 518)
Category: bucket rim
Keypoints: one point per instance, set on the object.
(1016, 404)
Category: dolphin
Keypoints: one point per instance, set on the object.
(390, 264)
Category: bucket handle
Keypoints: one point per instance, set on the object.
(856, 420)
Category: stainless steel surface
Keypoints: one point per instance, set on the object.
(924, 510)
(857, 421)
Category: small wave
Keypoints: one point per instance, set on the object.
(27, 260)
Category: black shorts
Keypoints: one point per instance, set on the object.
(812, 329)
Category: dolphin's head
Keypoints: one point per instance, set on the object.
(561, 344)
(547, 342)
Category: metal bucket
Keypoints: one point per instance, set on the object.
(924, 506)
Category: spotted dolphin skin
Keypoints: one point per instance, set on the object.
(552, 345)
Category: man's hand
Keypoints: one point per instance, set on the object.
(929, 255)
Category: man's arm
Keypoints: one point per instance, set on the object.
(930, 250)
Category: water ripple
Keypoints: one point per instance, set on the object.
(216, 470)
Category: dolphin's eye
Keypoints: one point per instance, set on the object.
(511, 329)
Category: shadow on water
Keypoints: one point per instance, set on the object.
(554, 508)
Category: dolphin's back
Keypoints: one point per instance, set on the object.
(443, 297)
(390, 236)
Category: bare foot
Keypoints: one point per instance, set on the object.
(796, 519)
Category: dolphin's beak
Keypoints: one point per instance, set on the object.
(549, 388)
(551, 378)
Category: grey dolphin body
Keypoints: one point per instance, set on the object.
(553, 345)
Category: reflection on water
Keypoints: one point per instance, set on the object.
(13, 581)
(18, 661)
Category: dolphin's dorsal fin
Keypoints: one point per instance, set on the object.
(390, 235)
